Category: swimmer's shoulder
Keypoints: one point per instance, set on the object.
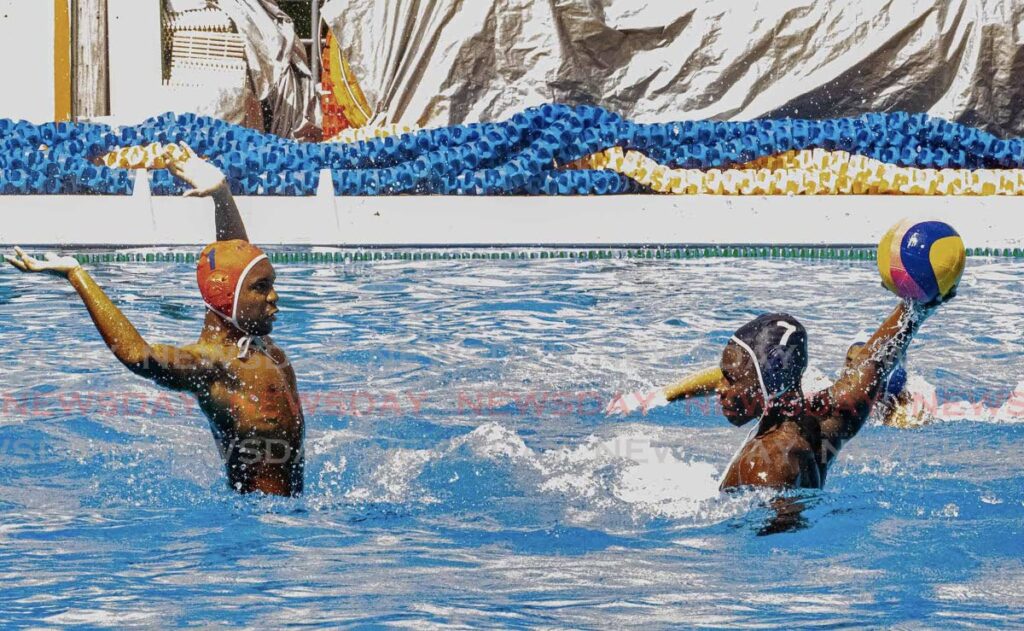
(214, 354)
(276, 352)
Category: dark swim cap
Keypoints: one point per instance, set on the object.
(778, 344)
(897, 381)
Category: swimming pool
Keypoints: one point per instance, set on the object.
(460, 471)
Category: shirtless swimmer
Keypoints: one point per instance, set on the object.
(796, 437)
(241, 379)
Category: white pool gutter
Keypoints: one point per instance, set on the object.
(626, 220)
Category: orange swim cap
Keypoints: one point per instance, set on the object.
(222, 267)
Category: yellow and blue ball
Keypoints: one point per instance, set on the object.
(921, 261)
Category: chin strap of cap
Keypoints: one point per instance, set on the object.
(250, 342)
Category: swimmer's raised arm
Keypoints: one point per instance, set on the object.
(207, 180)
(176, 368)
(858, 388)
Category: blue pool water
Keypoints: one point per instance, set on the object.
(460, 471)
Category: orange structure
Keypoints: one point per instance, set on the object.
(334, 114)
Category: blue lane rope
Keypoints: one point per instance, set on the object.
(516, 156)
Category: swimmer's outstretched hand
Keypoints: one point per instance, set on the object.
(633, 401)
(52, 263)
(204, 178)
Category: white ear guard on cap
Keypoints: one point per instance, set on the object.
(233, 318)
(757, 368)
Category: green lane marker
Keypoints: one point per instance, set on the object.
(659, 253)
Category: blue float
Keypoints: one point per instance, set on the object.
(519, 156)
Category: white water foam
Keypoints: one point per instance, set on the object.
(637, 472)
(926, 407)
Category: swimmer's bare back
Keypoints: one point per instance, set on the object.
(799, 437)
(250, 396)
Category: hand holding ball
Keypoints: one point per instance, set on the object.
(922, 261)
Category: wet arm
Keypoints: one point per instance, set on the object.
(207, 180)
(180, 369)
(858, 388)
(228, 219)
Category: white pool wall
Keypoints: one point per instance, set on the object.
(996, 222)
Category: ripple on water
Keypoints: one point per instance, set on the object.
(480, 497)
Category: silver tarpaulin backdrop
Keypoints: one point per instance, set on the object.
(439, 62)
(278, 67)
